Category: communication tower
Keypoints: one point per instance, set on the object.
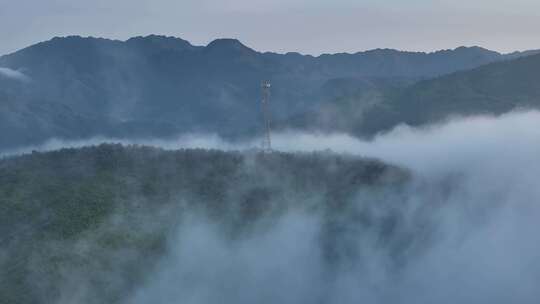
(266, 144)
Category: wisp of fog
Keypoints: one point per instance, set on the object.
(13, 74)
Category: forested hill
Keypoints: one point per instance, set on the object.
(492, 89)
(72, 217)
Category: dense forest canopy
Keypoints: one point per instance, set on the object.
(74, 212)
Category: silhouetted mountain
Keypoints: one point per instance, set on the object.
(159, 86)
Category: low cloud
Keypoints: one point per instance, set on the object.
(483, 225)
(446, 147)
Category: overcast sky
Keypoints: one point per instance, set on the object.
(306, 26)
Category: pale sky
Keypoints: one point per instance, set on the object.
(305, 26)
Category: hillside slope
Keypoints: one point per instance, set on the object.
(491, 89)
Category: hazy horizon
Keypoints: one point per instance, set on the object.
(313, 27)
(278, 52)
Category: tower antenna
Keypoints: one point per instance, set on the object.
(266, 144)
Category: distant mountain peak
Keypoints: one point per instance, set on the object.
(228, 44)
(157, 38)
(475, 48)
(78, 39)
(163, 42)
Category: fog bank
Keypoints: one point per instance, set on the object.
(479, 181)
(463, 230)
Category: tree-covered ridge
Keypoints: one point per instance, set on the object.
(72, 212)
(491, 89)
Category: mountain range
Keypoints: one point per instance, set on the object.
(157, 86)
